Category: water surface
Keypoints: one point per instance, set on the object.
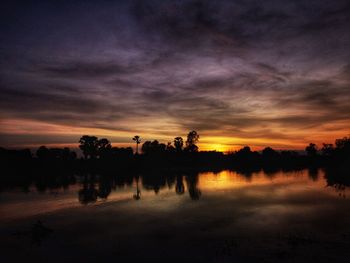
(206, 216)
(170, 190)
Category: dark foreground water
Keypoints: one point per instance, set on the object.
(205, 217)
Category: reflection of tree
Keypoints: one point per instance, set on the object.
(313, 173)
(88, 194)
(137, 196)
(338, 178)
(105, 187)
(247, 174)
(269, 171)
(154, 181)
(41, 184)
(179, 187)
(192, 182)
(26, 184)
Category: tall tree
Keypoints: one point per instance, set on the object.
(170, 148)
(269, 153)
(89, 146)
(327, 149)
(343, 144)
(43, 153)
(179, 143)
(104, 147)
(311, 149)
(137, 140)
(153, 148)
(192, 139)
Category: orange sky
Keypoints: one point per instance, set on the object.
(29, 134)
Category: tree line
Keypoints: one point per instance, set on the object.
(178, 153)
(93, 148)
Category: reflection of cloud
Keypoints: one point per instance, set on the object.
(249, 70)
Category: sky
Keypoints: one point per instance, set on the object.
(258, 73)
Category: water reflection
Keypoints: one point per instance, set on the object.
(180, 187)
(137, 196)
(70, 190)
(192, 186)
(89, 193)
(339, 180)
(313, 173)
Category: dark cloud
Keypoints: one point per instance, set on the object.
(250, 69)
(86, 70)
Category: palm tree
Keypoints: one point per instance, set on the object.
(137, 139)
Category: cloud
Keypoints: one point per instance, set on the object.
(243, 69)
(87, 70)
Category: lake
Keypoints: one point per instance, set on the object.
(204, 217)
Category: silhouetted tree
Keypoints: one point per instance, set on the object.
(58, 154)
(43, 152)
(311, 150)
(122, 153)
(137, 140)
(270, 154)
(89, 146)
(68, 154)
(342, 152)
(179, 143)
(104, 144)
(146, 147)
(154, 147)
(286, 154)
(192, 139)
(245, 151)
(64, 154)
(170, 148)
(327, 149)
(104, 148)
(245, 156)
(343, 144)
